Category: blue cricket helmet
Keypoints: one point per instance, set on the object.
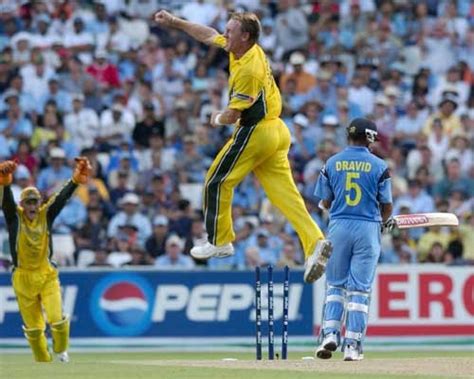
(362, 127)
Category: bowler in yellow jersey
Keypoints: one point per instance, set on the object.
(35, 277)
(259, 144)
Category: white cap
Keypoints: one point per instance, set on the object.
(160, 220)
(330, 119)
(56, 40)
(263, 233)
(130, 198)
(57, 152)
(451, 154)
(21, 36)
(117, 107)
(301, 120)
(297, 58)
(382, 100)
(268, 218)
(323, 75)
(449, 88)
(78, 96)
(391, 91)
(180, 104)
(101, 54)
(175, 240)
(11, 92)
(452, 97)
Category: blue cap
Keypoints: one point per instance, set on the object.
(22, 173)
(267, 21)
(43, 17)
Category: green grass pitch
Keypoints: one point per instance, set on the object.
(149, 365)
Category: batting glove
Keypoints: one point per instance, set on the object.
(388, 225)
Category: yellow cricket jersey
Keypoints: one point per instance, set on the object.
(30, 241)
(252, 88)
(450, 124)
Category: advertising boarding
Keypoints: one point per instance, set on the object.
(428, 300)
(166, 304)
(407, 301)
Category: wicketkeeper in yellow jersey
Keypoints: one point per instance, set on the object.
(259, 144)
(35, 277)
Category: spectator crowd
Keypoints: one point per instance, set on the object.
(100, 79)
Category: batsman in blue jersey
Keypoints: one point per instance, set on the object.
(355, 187)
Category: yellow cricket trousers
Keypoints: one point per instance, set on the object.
(263, 150)
(35, 291)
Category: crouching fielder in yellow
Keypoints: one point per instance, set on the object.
(35, 277)
(259, 144)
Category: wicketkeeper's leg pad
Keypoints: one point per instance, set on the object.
(60, 334)
(38, 343)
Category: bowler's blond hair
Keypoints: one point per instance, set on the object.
(249, 23)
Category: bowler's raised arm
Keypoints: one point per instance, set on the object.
(199, 32)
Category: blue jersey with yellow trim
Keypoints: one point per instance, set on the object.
(356, 181)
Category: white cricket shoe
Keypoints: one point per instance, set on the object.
(352, 353)
(316, 262)
(327, 347)
(208, 250)
(63, 357)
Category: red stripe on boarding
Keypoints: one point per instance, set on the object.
(418, 330)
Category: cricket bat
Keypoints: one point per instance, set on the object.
(421, 220)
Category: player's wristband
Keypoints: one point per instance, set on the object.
(217, 119)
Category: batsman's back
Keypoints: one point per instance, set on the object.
(359, 181)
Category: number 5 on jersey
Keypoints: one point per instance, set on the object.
(351, 184)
